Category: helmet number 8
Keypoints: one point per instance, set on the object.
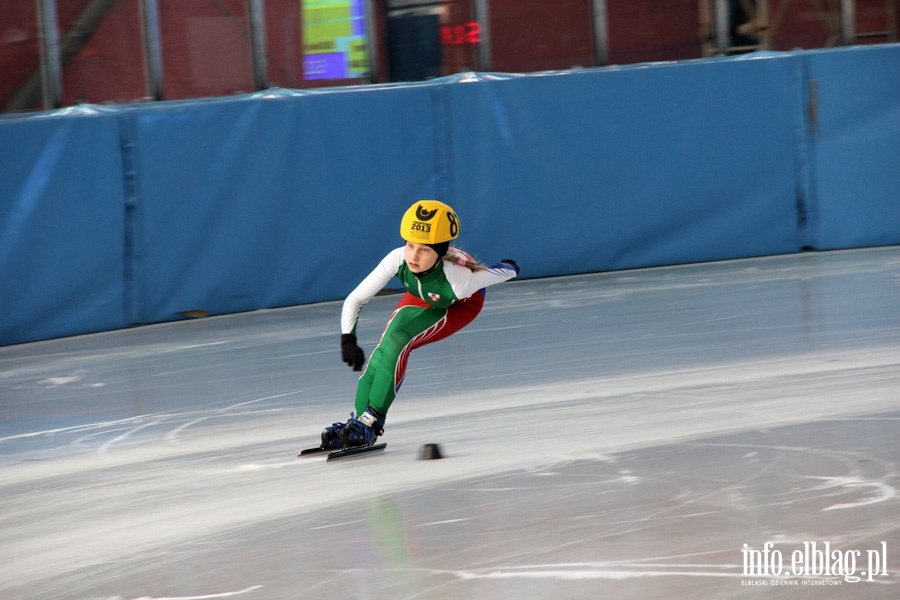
(454, 224)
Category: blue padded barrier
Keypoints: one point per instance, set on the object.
(253, 203)
(634, 167)
(856, 146)
(137, 214)
(62, 255)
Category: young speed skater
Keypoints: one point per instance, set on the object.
(445, 290)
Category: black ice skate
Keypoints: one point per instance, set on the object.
(362, 431)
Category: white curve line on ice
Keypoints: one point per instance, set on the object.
(172, 436)
(259, 467)
(444, 522)
(155, 350)
(227, 408)
(72, 429)
(105, 447)
(570, 575)
(206, 597)
(884, 491)
(600, 570)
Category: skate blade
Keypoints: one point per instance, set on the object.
(351, 452)
(314, 451)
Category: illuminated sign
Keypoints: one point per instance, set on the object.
(457, 35)
(334, 39)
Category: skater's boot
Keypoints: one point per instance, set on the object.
(363, 431)
(331, 436)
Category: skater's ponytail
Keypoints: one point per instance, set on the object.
(459, 258)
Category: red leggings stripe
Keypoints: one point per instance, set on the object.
(459, 314)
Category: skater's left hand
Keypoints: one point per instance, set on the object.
(512, 263)
(351, 353)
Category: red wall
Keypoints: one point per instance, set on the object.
(534, 35)
(19, 46)
(110, 66)
(206, 45)
(653, 30)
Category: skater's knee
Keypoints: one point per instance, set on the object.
(394, 342)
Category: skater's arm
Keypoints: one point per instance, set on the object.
(371, 285)
(466, 282)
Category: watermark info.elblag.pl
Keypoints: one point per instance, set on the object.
(813, 564)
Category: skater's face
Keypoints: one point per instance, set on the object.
(420, 257)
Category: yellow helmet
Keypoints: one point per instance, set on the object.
(429, 222)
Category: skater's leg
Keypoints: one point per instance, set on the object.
(460, 314)
(387, 365)
(414, 324)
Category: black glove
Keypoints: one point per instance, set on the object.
(511, 262)
(351, 353)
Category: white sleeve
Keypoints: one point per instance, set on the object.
(371, 285)
(465, 282)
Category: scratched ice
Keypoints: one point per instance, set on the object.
(619, 435)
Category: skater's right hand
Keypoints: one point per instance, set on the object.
(351, 353)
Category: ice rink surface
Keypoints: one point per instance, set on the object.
(683, 432)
